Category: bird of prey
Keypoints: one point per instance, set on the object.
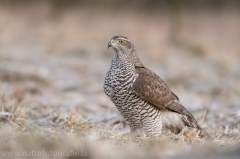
(141, 96)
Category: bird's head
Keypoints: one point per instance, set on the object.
(121, 44)
(125, 49)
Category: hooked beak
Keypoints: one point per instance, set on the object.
(110, 44)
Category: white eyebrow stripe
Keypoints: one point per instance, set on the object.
(124, 39)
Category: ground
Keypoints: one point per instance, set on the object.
(52, 70)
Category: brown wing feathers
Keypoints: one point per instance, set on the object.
(152, 88)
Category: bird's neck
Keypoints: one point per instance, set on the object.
(127, 60)
(122, 61)
(135, 59)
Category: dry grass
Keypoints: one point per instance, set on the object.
(69, 131)
(52, 71)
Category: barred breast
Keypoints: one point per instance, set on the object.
(138, 113)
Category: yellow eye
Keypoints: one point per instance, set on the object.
(121, 41)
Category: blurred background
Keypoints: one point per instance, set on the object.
(54, 57)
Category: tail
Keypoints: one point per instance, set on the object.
(187, 117)
(191, 122)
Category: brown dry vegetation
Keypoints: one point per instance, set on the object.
(52, 68)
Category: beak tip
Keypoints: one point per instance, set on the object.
(109, 45)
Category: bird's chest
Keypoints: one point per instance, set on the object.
(118, 83)
(118, 86)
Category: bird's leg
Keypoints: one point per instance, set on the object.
(131, 134)
(134, 135)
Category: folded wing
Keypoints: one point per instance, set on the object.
(153, 89)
